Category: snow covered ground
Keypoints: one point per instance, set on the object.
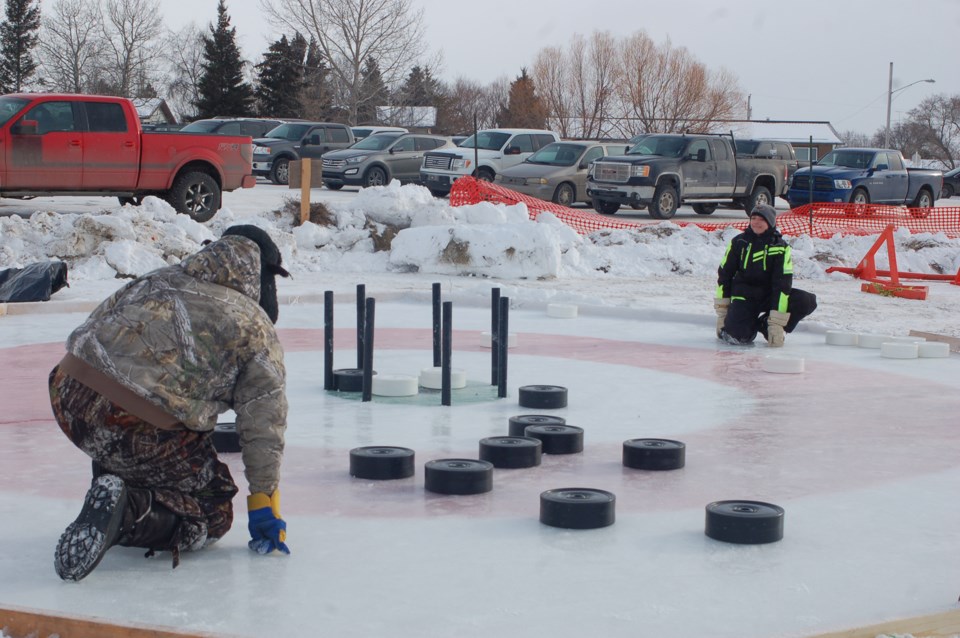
(860, 450)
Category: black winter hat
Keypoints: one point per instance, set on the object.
(270, 267)
(769, 214)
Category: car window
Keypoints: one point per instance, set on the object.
(894, 162)
(486, 140)
(231, 128)
(406, 145)
(697, 146)
(10, 106)
(557, 154)
(337, 134)
(783, 150)
(594, 153)
(616, 149)
(55, 116)
(661, 145)
(849, 159)
(720, 150)
(542, 139)
(427, 143)
(878, 159)
(523, 142)
(200, 126)
(290, 132)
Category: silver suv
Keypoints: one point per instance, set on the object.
(379, 158)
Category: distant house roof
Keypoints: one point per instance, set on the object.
(154, 110)
(795, 132)
(408, 116)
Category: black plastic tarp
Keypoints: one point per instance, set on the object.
(34, 282)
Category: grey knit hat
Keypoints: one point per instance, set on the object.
(769, 214)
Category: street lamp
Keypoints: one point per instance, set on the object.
(890, 92)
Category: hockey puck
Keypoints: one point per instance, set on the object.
(511, 452)
(458, 476)
(557, 439)
(226, 439)
(577, 508)
(348, 379)
(381, 463)
(872, 341)
(782, 365)
(518, 424)
(395, 385)
(561, 311)
(840, 338)
(899, 350)
(744, 522)
(543, 397)
(654, 454)
(432, 378)
(933, 350)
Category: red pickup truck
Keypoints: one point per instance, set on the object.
(62, 144)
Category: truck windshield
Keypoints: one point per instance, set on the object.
(377, 142)
(292, 132)
(486, 140)
(557, 154)
(662, 145)
(848, 159)
(10, 106)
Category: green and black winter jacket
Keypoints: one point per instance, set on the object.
(757, 268)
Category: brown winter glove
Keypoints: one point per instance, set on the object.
(721, 305)
(776, 322)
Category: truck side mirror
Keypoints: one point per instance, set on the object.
(881, 167)
(512, 150)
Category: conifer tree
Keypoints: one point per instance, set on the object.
(280, 79)
(18, 37)
(222, 88)
(524, 109)
(316, 92)
(373, 92)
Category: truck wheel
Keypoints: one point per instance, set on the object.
(333, 186)
(860, 198)
(133, 201)
(438, 194)
(195, 194)
(280, 171)
(704, 209)
(760, 195)
(564, 195)
(665, 201)
(485, 174)
(924, 199)
(605, 207)
(375, 177)
(947, 192)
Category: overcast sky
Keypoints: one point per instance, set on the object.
(803, 60)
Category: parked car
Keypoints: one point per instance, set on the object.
(864, 176)
(233, 126)
(379, 158)
(65, 144)
(360, 132)
(951, 183)
(494, 150)
(296, 140)
(558, 171)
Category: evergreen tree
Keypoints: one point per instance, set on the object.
(222, 89)
(524, 109)
(18, 37)
(315, 93)
(280, 79)
(373, 92)
(419, 89)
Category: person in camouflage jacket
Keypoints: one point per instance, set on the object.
(139, 391)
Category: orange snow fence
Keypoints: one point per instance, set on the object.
(820, 220)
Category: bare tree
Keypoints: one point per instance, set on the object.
(184, 57)
(855, 138)
(70, 45)
(938, 117)
(553, 86)
(594, 81)
(348, 33)
(132, 31)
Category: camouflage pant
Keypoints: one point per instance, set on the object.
(180, 468)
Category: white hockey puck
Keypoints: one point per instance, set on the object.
(782, 365)
(906, 340)
(897, 350)
(872, 341)
(486, 338)
(432, 378)
(561, 310)
(933, 350)
(840, 338)
(394, 385)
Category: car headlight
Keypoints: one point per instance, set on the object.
(261, 150)
(356, 160)
(842, 184)
(460, 163)
(536, 181)
(640, 171)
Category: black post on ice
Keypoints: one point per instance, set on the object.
(503, 341)
(361, 297)
(494, 329)
(447, 352)
(436, 325)
(368, 350)
(476, 148)
(810, 184)
(328, 340)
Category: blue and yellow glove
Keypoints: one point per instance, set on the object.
(267, 529)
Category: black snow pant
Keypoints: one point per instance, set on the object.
(179, 491)
(747, 317)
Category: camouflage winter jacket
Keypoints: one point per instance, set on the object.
(193, 339)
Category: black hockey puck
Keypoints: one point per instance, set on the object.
(577, 508)
(654, 454)
(458, 476)
(744, 522)
(558, 439)
(511, 452)
(520, 422)
(381, 463)
(225, 438)
(348, 379)
(543, 397)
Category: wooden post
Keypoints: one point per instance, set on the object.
(305, 190)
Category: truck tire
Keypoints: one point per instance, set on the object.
(924, 199)
(375, 177)
(760, 195)
(947, 192)
(704, 209)
(564, 195)
(333, 186)
(485, 174)
(604, 207)
(195, 194)
(860, 196)
(665, 202)
(133, 201)
(280, 171)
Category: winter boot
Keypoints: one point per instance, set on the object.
(97, 528)
(152, 526)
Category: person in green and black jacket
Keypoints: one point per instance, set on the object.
(755, 290)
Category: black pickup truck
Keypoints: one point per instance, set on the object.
(662, 171)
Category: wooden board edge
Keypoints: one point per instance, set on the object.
(936, 625)
(21, 622)
(930, 336)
